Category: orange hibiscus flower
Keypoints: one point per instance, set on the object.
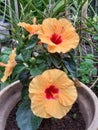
(31, 28)
(9, 66)
(52, 94)
(59, 35)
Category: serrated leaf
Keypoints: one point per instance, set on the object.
(26, 120)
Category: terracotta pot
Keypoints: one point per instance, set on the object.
(87, 101)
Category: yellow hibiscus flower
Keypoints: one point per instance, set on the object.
(59, 35)
(31, 28)
(9, 66)
(52, 94)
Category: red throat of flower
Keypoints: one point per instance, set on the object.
(51, 91)
(56, 38)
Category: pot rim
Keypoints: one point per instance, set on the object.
(94, 124)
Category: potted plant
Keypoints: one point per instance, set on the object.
(47, 55)
(87, 101)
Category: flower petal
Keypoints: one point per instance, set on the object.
(55, 109)
(37, 102)
(32, 29)
(2, 64)
(58, 78)
(9, 66)
(36, 86)
(68, 96)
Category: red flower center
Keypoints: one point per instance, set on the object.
(56, 39)
(51, 91)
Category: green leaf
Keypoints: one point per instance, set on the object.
(4, 58)
(19, 58)
(5, 84)
(35, 71)
(59, 6)
(17, 70)
(96, 37)
(40, 60)
(26, 120)
(82, 4)
(26, 54)
(55, 59)
(70, 66)
(32, 42)
(24, 75)
(31, 46)
(6, 51)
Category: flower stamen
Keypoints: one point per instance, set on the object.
(56, 38)
(51, 91)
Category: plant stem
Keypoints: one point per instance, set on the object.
(92, 86)
(90, 43)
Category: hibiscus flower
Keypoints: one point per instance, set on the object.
(52, 94)
(31, 28)
(9, 66)
(59, 35)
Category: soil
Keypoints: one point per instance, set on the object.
(72, 121)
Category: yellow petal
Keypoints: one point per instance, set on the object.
(55, 109)
(68, 96)
(34, 20)
(32, 29)
(45, 40)
(4, 78)
(2, 64)
(38, 106)
(9, 66)
(12, 56)
(36, 86)
(58, 78)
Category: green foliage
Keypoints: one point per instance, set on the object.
(25, 118)
(58, 7)
(55, 60)
(86, 70)
(4, 58)
(33, 60)
(26, 11)
(6, 51)
(70, 64)
(17, 70)
(75, 9)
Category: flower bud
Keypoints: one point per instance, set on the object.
(33, 60)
